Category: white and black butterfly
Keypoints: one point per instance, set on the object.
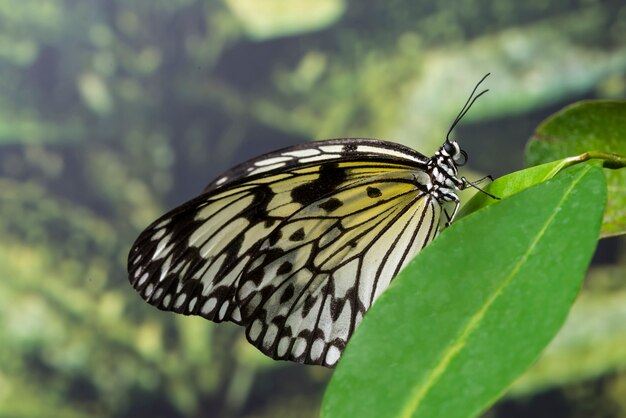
(297, 244)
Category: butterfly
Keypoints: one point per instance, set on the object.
(297, 244)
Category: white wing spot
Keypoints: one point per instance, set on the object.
(192, 303)
(208, 306)
(223, 310)
(283, 345)
(270, 335)
(316, 349)
(299, 347)
(157, 293)
(180, 300)
(263, 169)
(332, 148)
(161, 247)
(320, 158)
(162, 223)
(143, 279)
(149, 289)
(221, 181)
(165, 268)
(332, 355)
(270, 161)
(255, 329)
(166, 300)
(236, 314)
(375, 150)
(158, 234)
(302, 153)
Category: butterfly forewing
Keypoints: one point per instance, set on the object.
(295, 245)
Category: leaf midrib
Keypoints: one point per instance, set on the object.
(419, 392)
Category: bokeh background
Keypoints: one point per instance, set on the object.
(113, 111)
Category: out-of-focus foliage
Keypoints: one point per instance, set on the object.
(273, 18)
(596, 126)
(593, 340)
(112, 111)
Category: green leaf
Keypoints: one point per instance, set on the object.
(598, 126)
(475, 308)
(515, 182)
(511, 184)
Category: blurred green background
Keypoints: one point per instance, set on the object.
(112, 112)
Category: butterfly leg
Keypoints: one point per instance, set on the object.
(449, 217)
(466, 183)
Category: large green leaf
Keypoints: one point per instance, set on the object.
(598, 126)
(475, 308)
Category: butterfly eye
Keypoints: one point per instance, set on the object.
(449, 148)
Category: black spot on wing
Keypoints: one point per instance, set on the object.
(284, 268)
(349, 148)
(336, 305)
(309, 302)
(331, 204)
(255, 276)
(275, 236)
(373, 192)
(298, 235)
(257, 211)
(330, 177)
(286, 296)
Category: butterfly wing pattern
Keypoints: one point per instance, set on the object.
(297, 244)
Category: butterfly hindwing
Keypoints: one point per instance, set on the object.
(315, 276)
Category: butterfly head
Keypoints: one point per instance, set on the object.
(443, 166)
(452, 150)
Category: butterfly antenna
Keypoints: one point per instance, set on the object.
(468, 104)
